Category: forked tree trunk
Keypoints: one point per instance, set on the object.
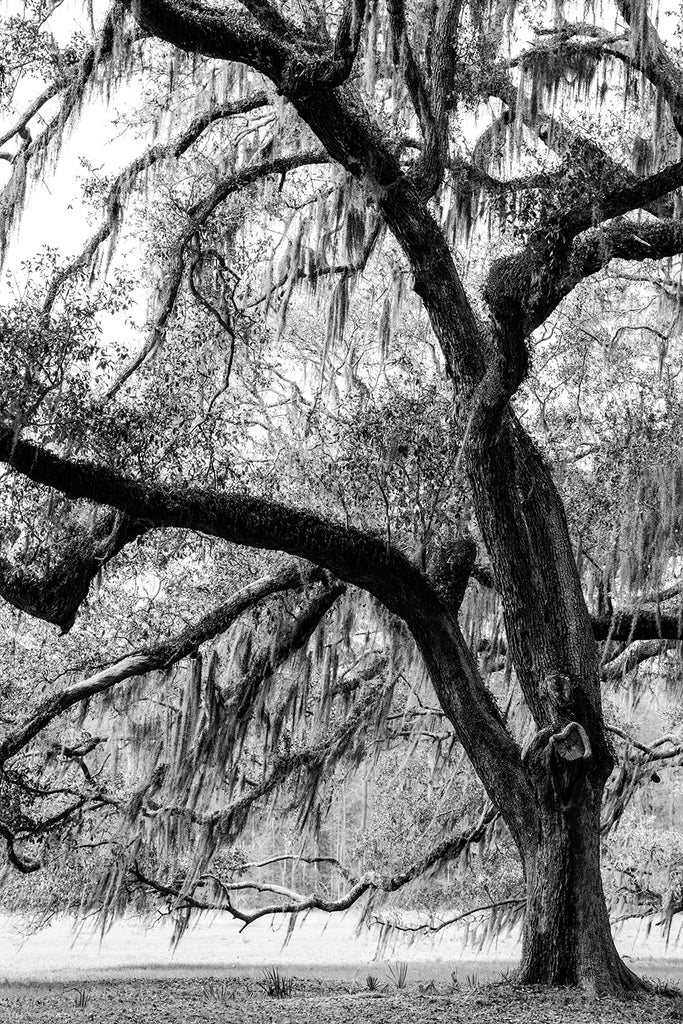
(567, 939)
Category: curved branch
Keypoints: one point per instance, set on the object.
(648, 55)
(635, 654)
(536, 281)
(360, 558)
(26, 867)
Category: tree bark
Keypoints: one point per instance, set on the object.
(567, 938)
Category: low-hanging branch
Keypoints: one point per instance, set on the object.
(361, 558)
(512, 908)
(149, 659)
(297, 903)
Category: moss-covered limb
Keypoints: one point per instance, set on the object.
(636, 653)
(21, 124)
(197, 216)
(353, 556)
(624, 197)
(296, 903)
(197, 28)
(643, 624)
(540, 276)
(294, 58)
(58, 594)
(125, 181)
(476, 175)
(359, 557)
(148, 659)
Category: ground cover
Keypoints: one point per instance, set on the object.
(316, 1001)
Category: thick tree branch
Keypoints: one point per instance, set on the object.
(537, 279)
(356, 557)
(57, 595)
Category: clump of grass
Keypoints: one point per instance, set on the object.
(664, 987)
(217, 991)
(275, 984)
(399, 973)
(81, 999)
(372, 983)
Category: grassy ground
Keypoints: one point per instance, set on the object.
(232, 1000)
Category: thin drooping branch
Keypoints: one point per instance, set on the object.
(125, 181)
(292, 637)
(197, 216)
(148, 659)
(57, 595)
(21, 123)
(110, 41)
(512, 908)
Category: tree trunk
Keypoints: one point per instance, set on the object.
(567, 938)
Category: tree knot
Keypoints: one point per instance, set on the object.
(571, 743)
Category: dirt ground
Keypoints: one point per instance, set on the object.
(243, 1001)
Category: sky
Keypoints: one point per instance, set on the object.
(54, 214)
